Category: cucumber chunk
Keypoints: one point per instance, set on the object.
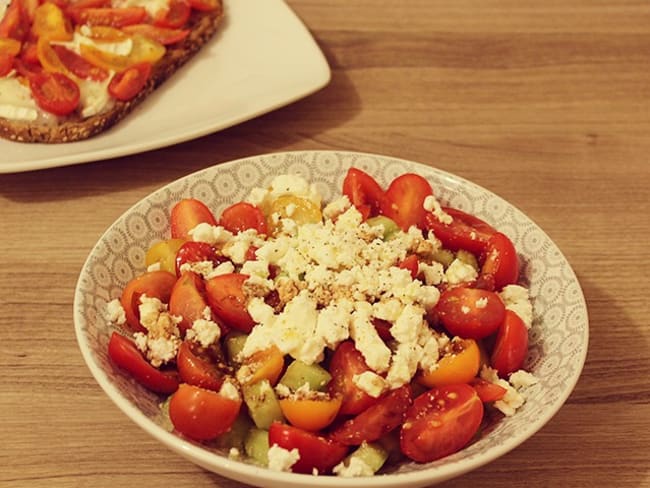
(390, 227)
(256, 445)
(298, 373)
(372, 454)
(234, 345)
(262, 403)
(236, 436)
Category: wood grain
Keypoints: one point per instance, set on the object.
(545, 103)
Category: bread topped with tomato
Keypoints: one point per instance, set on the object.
(70, 69)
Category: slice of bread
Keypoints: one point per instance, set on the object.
(202, 25)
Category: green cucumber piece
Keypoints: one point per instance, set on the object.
(372, 454)
(234, 345)
(390, 227)
(262, 403)
(236, 436)
(256, 445)
(298, 373)
(444, 257)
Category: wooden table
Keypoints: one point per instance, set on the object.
(545, 103)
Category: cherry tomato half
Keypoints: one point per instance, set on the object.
(470, 313)
(202, 414)
(377, 420)
(308, 414)
(459, 367)
(158, 284)
(243, 216)
(404, 202)
(114, 17)
(124, 353)
(316, 452)
(225, 294)
(187, 300)
(127, 84)
(187, 214)
(196, 369)
(163, 35)
(464, 232)
(500, 264)
(175, 16)
(488, 392)
(441, 422)
(511, 345)
(346, 362)
(193, 252)
(364, 192)
(55, 92)
(78, 65)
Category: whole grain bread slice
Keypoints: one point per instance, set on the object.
(202, 25)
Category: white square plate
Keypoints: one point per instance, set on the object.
(261, 58)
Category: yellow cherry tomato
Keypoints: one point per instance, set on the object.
(263, 365)
(48, 57)
(301, 210)
(9, 46)
(50, 22)
(459, 367)
(310, 414)
(164, 252)
(143, 50)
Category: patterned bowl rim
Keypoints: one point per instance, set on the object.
(431, 473)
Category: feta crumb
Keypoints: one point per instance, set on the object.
(154, 266)
(233, 453)
(481, 302)
(229, 390)
(431, 204)
(373, 384)
(355, 467)
(459, 272)
(337, 207)
(281, 459)
(212, 234)
(513, 399)
(433, 273)
(522, 379)
(204, 330)
(115, 313)
(517, 299)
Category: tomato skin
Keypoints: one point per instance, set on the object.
(243, 216)
(78, 65)
(266, 364)
(460, 367)
(196, 370)
(6, 63)
(124, 353)
(126, 85)
(511, 345)
(441, 422)
(193, 252)
(459, 312)
(486, 391)
(175, 16)
(316, 452)
(158, 284)
(404, 201)
(364, 192)
(187, 214)
(55, 92)
(500, 263)
(346, 362)
(14, 24)
(377, 420)
(465, 231)
(226, 297)
(187, 300)
(202, 414)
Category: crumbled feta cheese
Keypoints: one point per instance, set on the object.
(207, 268)
(355, 467)
(431, 204)
(522, 379)
(158, 350)
(336, 207)
(211, 234)
(115, 313)
(204, 330)
(517, 299)
(459, 272)
(481, 302)
(367, 340)
(230, 391)
(281, 459)
(433, 273)
(514, 397)
(234, 453)
(373, 384)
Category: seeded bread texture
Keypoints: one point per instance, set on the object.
(203, 26)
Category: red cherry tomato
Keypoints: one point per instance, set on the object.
(243, 216)
(187, 300)
(158, 284)
(511, 345)
(470, 313)
(488, 392)
(175, 16)
(500, 264)
(316, 452)
(114, 17)
(464, 232)
(202, 414)
(196, 369)
(194, 252)
(163, 35)
(6, 63)
(187, 214)
(346, 362)
(54, 92)
(441, 422)
(14, 24)
(411, 264)
(124, 353)
(377, 420)
(364, 192)
(78, 65)
(404, 202)
(126, 85)
(225, 294)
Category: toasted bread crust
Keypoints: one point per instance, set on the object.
(203, 26)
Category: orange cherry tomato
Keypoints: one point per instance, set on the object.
(78, 65)
(187, 214)
(309, 414)
(225, 294)
(264, 365)
(10, 46)
(364, 192)
(158, 284)
(54, 92)
(459, 367)
(50, 23)
(243, 216)
(441, 422)
(124, 353)
(163, 35)
(202, 414)
(127, 84)
(404, 203)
